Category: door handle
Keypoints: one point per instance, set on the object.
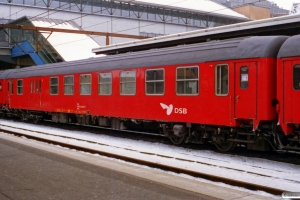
(237, 98)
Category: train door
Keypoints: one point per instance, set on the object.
(35, 93)
(10, 88)
(245, 90)
(291, 91)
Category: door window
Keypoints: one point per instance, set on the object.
(244, 77)
(296, 77)
(11, 87)
(38, 86)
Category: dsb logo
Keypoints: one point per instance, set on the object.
(169, 109)
(180, 111)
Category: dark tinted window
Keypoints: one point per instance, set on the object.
(296, 77)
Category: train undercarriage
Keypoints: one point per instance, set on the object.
(267, 137)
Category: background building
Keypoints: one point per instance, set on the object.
(254, 9)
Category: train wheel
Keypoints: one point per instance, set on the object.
(177, 140)
(224, 145)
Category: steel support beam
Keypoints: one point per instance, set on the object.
(34, 28)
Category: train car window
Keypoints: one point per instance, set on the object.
(221, 80)
(187, 80)
(19, 86)
(54, 85)
(155, 83)
(105, 84)
(85, 84)
(127, 83)
(244, 77)
(296, 77)
(69, 85)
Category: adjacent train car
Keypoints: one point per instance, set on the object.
(223, 92)
(288, 94)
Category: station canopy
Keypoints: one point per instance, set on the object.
(56, 45)
(69, 46)
(204, 6)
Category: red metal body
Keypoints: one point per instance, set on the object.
(253, 103)
(227, 92)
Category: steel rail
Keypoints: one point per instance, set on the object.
(238, 183)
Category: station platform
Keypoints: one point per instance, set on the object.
(34, 170)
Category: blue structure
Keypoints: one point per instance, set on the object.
(25, 49)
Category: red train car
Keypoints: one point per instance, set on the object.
(220, 91)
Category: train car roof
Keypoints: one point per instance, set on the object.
(232, 49)
(4, 73)
(290, 48)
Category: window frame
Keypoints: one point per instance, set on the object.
(216, 80)
(127, 82)
(69, 84)
(54, 85)
(155, 81)
(90, 84)
(20, 87)
(111, 83)
(187, 80)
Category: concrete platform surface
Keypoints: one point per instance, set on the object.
(34, 170)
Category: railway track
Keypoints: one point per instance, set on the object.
(41, 137)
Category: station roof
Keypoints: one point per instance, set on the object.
(69, 46)
(285, 25)
(205, 6)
